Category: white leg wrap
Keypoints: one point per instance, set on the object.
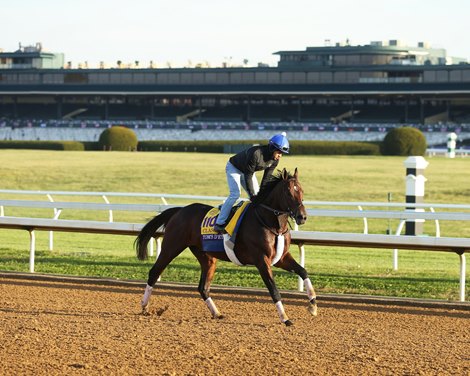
(147, 295)
(281, 312)
(309, 288)
(210, 304)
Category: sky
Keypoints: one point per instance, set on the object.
(213, 32)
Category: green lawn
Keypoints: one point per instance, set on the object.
(333, 270)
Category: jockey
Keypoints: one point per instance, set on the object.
(241, 168)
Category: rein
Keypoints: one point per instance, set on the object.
(260, 220)
(276, 212)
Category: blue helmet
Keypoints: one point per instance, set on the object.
(279, 142)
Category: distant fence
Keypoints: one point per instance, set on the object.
(433, 152)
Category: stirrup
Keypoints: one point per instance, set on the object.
(219, 228)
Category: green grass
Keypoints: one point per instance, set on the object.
(333, 270)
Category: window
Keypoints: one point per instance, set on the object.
(75, 78)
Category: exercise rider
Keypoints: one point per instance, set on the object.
(241, 168)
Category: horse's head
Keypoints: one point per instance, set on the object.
(293, 196)
(283, 194)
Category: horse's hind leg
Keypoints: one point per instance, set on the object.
(208, 265)
(166, 256)
(288, 263)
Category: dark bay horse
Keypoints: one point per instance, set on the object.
(264, 220)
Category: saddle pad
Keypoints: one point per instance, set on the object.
(211, 240)
(236, 220)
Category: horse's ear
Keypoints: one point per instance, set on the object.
(285, 174)
(296, 174)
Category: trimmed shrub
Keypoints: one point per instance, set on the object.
(118, 138)
(43, 145)
(404, 141)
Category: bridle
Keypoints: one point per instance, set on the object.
(277, 212)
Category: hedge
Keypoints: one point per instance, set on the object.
(334, 148)
(43, 145)
(297, 147)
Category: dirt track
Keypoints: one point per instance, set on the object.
(50, 327)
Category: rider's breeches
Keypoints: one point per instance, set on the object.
(235, 180)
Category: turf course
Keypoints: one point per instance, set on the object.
(333, 270)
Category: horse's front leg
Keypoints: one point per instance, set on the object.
(266, 273)
(288, 263)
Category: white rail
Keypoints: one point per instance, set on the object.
(402, 216)
(457, 245)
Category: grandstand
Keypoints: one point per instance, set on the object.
(193, 130)
(369, 88)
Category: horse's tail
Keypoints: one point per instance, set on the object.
(149, 230)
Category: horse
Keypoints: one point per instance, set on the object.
(265, 219)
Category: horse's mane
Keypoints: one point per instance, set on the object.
(267, 187)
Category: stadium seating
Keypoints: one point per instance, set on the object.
(81, 130)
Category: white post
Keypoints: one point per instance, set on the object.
(462, 277)
(151, 248)
(395, 251)
(159, 246)
(451, 142)
(438, 227)
(32, 248)
(159, 249)
(366, 227)
(301, 260)
(110, 212)
(302, 263)
(415, 180)
(51, 233)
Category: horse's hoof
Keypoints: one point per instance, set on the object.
(160, 311)
(288, 323)
(220, 317)
(312, 308)
(145, 312)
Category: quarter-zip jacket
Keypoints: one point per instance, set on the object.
(256, 158)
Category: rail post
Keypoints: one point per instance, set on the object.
(301, 260)
(415, 180)
(32, 249)
(451, 142)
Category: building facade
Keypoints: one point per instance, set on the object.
(380, 82)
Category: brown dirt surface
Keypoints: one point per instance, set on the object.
(55, 327)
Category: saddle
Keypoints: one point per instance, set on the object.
(211, 240)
